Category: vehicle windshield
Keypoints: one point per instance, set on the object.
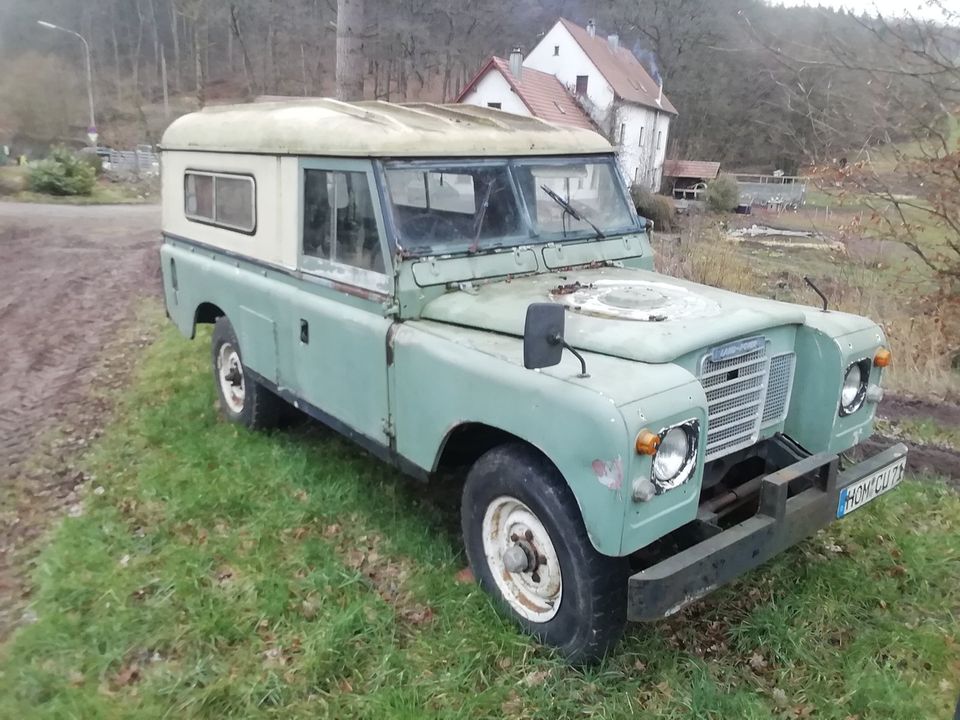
(466, 206)
(591, 189)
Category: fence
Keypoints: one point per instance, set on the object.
(140, 161)
(772, 190)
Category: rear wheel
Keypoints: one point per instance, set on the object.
(242, 399)
(528, 547)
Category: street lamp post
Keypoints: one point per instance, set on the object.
(92, 130)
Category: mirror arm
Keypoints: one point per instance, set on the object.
(558, 340)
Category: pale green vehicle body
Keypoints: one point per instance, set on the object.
(438, 355)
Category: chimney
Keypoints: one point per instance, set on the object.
(613, 41)
(516, 62)
(660, 93)
(591, 28)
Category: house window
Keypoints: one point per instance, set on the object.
(495, 106)
(220, 199)
(339, 224)
(582, 84)
(659, 138)
(623, 132)
(556, 50)
(641, 136)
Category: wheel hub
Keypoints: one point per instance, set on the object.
(230, 372)
(522, 559)
(517, 558)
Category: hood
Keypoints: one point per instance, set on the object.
(623, 312)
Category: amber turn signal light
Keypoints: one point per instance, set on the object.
(882, 358)
(647, 442)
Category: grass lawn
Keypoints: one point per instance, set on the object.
(220, 573)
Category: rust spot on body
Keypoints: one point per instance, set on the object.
(609, 472)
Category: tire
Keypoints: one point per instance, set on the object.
(513, 494)
(243, 400)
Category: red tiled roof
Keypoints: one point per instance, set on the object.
(628, 78)
(542, 93)
(691, 169)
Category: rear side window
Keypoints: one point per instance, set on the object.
(220, 199)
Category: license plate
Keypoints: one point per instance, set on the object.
(858, 494)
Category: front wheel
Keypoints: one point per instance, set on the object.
(528, 547)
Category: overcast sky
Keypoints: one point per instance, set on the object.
(887, 8)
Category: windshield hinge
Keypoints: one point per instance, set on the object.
(388, 429)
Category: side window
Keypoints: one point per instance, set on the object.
(234, 197)
(339, 223)
(228, 201)
(198, 196)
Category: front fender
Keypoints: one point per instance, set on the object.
(442, 378)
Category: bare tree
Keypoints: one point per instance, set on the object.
(350, 60)
(884, 124)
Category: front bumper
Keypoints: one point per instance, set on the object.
(781, 521)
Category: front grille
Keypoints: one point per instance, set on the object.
(735, 388)
(778, 388)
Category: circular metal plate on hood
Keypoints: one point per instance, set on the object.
(637, 300)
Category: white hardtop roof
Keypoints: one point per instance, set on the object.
(374, 129)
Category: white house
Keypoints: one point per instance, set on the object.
(513, 87)
(604, 80)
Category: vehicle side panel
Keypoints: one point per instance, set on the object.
(265, 306)
(271, 187)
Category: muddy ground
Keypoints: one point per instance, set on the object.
(67, 276)
(70, 277)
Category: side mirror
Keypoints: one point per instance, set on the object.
(543, 342)
(543, 335)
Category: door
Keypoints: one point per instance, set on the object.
(339, 323)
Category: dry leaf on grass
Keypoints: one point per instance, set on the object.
(128, 675)
(536, 677)
(465, 576)
(75, 678)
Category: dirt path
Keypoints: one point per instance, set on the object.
(66, 275)
(70, 277)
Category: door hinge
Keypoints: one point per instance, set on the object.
(388, 429)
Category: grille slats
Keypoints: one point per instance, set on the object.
(740, 379)
(735, 399)
(714, 417)
(747, 367)
(778, 388)
(744, 393)
(736, 392)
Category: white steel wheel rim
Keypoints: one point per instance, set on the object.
(534, 592)
(230, 374)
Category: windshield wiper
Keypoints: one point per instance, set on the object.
(570, 210)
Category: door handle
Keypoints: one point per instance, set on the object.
(304, 331)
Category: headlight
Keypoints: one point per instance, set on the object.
(854, 389)
(675, 456)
